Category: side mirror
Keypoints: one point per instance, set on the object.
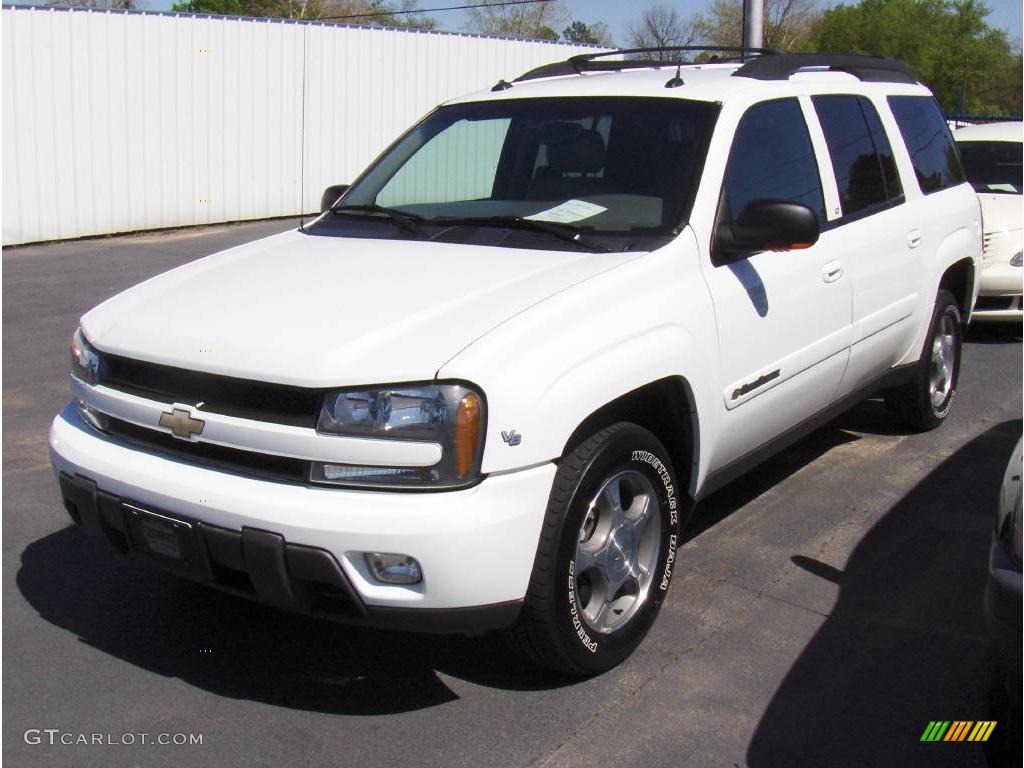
(768, 225)
(331, 195)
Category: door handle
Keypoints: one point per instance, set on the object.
(914, 238)
(832, 271)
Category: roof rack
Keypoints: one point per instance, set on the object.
(872, 69)
(588, 62)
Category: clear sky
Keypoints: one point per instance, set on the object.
(1006, 14)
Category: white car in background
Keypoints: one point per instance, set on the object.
(992, 160)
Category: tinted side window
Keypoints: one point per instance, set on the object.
(854, 160)
(932, 151)
(891, 177)
(772, 158)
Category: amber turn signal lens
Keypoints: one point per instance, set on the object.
(467, 430)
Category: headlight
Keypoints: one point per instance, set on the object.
(1018, 259)
(85, 360)
(451, 415)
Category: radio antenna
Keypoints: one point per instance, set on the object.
(302, 139)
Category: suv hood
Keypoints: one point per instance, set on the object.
(318, 311)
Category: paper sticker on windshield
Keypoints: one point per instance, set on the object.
(568, 212)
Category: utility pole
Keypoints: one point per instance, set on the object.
(963, 89)
(753, 23)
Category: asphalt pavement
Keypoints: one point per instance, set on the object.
(826, 607)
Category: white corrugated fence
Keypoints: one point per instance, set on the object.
(117, 122)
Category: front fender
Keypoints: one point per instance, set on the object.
(545, 370)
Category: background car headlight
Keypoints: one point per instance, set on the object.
(85, 360)
(1018, 259)
(451, 415)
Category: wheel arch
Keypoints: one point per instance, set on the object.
(666, 408)
(958, 279)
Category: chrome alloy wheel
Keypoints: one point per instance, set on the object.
(617, 551)
(943, 362)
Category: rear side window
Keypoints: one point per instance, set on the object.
(772, 158)
(860, 153)
(854, 162)
(893, 186)
(929, 142)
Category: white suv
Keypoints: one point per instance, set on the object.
(484, 389)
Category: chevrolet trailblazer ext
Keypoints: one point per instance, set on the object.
(484, 389)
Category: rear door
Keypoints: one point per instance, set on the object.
(874, 237)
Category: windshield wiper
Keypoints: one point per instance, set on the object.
(409, 222)
(566, 232)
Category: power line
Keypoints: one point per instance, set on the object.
(378, 14)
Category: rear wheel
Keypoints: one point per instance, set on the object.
(924, 402)
(606, 554)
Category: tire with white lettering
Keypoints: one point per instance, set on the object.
(606, 553)
(924, 402)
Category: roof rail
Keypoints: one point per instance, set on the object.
(873, 69)
(587, 62)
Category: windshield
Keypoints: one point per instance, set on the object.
(606, 167)
(993, 166)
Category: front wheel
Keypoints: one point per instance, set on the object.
(606, 553)
(924, 402)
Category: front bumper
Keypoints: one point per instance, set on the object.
(999, 293)
(476, 546)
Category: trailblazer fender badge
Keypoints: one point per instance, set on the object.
(758, 382)
(181, 423)
(512, 438)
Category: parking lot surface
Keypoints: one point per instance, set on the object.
(827, 606)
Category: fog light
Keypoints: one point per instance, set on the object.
(393, 569)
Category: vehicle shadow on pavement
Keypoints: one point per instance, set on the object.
(870, 417)
(237, 648)
(719, 505)
(905, 643)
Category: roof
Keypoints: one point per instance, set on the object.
(1008, 131)
(714, 82)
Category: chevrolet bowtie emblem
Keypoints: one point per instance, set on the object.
(181, 423)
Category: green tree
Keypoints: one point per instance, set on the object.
(970, 66)
(588, 34)
(225, 7)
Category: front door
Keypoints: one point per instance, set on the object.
(783, 318)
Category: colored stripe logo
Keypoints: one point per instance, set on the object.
(958, 730)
